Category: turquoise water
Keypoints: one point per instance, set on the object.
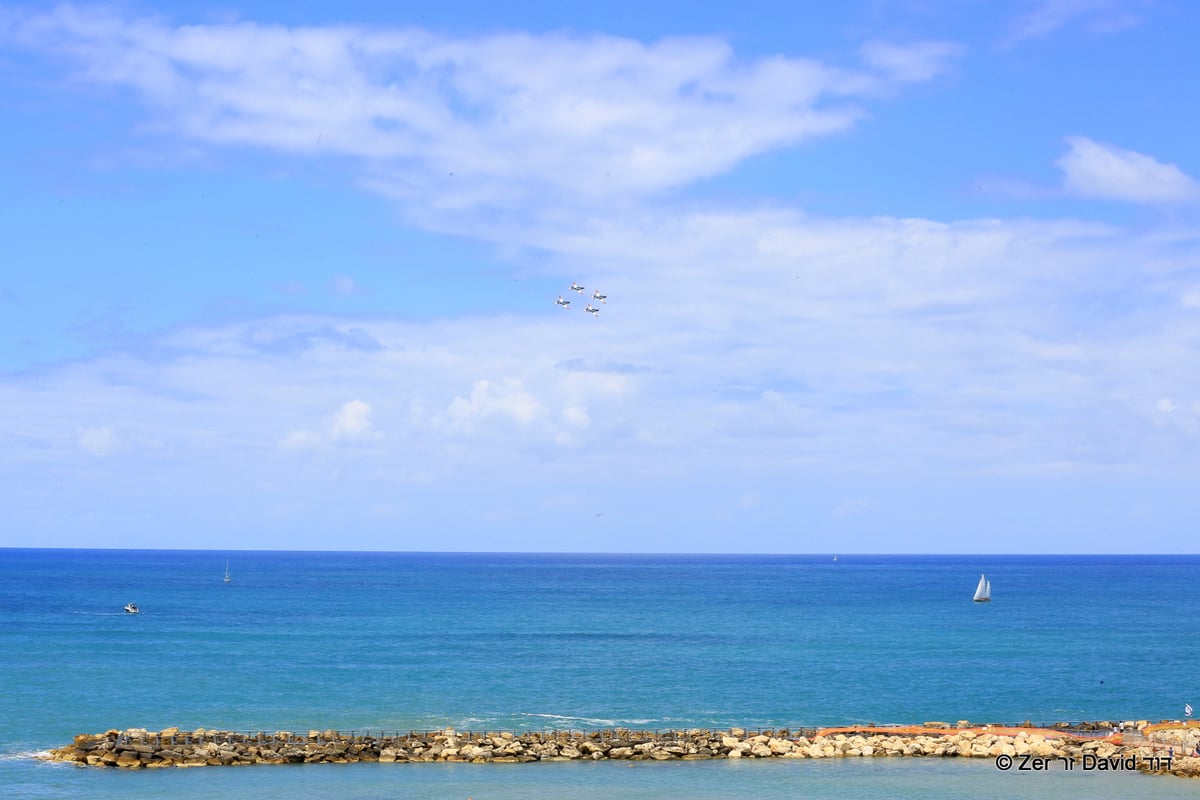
(488, 641)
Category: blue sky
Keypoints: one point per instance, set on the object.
(891, 277)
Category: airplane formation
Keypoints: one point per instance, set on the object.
(589, 308)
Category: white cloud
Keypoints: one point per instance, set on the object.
(1093, 169)
(1183, 417)
(576, 417)
(350, 424)
(824, 350)
(99, 442)
(917, 62)
(1049, 16)
(491, 400)
(498, 120)
(817, 344)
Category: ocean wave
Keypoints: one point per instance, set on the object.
(602, 723)
(25, 755)
(476, 723)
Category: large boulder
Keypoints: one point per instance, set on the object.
(129, 761)
(779, 746)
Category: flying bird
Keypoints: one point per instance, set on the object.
(564, 303)
(575, 287)
(597, 296)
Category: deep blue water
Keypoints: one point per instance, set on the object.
(518, 641)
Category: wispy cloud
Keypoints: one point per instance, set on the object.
(102, 441)
(814, 348)
(837, 343)
(912, 62)
(1183, 416)
(1050, 16)
(491, 120)
(1104, 171)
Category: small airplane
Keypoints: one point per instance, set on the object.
(591, 309)
(575, 287)
(564, 303)
(597, 296)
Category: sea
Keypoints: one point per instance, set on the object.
(522, 642)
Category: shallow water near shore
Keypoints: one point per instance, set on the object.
(530, 642)
(768, 779)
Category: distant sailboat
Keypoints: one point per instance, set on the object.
(228, 579)
(835, 558)
(983, 592)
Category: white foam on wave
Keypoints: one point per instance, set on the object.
(474, 723)
(600, 722)
(25, 755)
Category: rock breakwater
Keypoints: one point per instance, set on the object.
(1142, 747)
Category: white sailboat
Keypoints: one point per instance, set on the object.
(983, 592)
(227, 577)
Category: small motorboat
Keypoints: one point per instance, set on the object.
(131, 608)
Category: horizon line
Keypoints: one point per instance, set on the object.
(829, 553)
